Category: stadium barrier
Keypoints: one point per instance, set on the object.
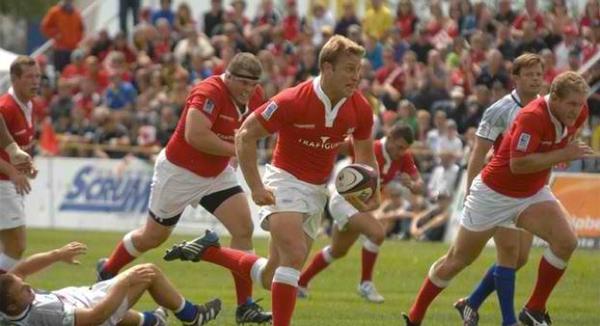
(578, 192)
(104, 194)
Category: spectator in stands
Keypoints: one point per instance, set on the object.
(529, 41)
(64, 24)
(61, 106)
(87, 98)
(165, 12)
(493, 70)
(570, 43)
(399, 45)
(120, 95)
(76, 70)
(530, 14)
(591, 14)
(421, 45)
(389, 80)
(378, 20)
(406, 19)
(184, 19)
(504, 42)
(96, 73)
(550, 70)
(407, 113)
(505, 15)
(347, 19)
(374, 51)
(125, 6)
(193, 43)
(239, 16)
(111, 134)
(430, 224)
(450, 142)
(321, 17)
(266, 17)
(213, 17)
(121, 44)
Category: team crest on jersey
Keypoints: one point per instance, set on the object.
(524, 139)
(209, 106)
(268, 112)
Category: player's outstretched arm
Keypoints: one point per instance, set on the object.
(536, 162)
(199, 135)
(37, 262)
(245, 145)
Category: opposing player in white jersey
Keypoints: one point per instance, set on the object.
(512, 244)
(311, 121)
(394, 160)
(107, 303)
(194, 169)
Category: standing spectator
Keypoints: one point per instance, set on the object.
(64, 24)
(165, 12)
(348, 19)
(125, 6)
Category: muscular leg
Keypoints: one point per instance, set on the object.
(463, 252)
(234, 213)
(562, 240)
(135, 243)
(13, 244)
(289, 239)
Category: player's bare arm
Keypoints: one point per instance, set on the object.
(477, 159)
(199, 135)
(245, 145)
(536, 162)
(18, 178)
(15, 153)
(363, 149)
(414, 183)
(101, 312)
(38, 262)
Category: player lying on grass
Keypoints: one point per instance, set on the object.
(105, 303)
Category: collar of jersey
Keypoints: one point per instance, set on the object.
(560, 131)
(18, 317)
(26, 108)
(240, 113)
(386, 155)
(330, 113)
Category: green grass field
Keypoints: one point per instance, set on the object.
(333, 299)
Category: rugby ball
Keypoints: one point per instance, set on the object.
(357, 180)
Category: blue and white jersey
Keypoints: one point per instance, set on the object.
(498, 117)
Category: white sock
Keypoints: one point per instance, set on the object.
(436, 280)
(370, 246)
(554, 260)
(286, 275)
(129, 246)
(257, 270)
(327, 254)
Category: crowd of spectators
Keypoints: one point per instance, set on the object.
(112, 95)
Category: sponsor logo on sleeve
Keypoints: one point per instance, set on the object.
(524, 139)
(209, 106)
(269, 110)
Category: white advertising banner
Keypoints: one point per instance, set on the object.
(103, 194)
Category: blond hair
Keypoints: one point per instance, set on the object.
(17, 66)
(336, 46)
(526, 60)
(566, 83)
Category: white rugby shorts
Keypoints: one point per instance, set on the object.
(485, 208)
(12, 206)
(294, 195)
(341, 210)
(173, 188)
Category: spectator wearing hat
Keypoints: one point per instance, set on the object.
(63, 23)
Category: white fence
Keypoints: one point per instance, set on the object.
(103, 194)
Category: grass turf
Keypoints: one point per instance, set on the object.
(333, 299)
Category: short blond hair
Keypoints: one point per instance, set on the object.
(18, 65)
(336, 46)
(526, 60)
(566, 83)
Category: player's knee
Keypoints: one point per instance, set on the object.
(377, 236)
(565, 248)
(522, 261)
(294, 257)
(243, 232)
(337, 253)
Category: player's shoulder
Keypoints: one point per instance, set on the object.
(359, 101)
(295, 96)
(502, 107)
